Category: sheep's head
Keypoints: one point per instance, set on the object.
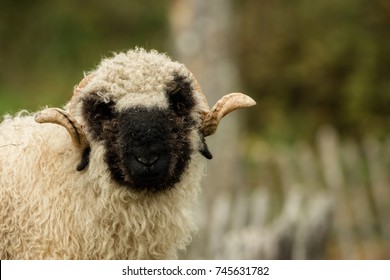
(150, 114)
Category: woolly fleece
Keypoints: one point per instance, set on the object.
(48, 210)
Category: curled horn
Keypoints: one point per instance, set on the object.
(224, 106)
(79, 87)
(63, 118)
(60, 117)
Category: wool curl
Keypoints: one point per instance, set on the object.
(50, 211)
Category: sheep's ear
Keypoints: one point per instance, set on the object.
(204, 149)
(61, 117)
(224, 106)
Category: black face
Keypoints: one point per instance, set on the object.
(146, 148)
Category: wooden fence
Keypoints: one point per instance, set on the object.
(330, 200)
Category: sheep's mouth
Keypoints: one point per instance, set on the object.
(147, 164)
(152, 175)
(138, 176)
(153, 182)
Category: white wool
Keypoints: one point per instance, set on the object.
(51, 211)
(141, 73)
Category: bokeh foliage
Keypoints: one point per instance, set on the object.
(307, 63)
(46, 45)
(312, 63)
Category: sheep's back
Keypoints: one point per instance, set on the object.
(32, 166)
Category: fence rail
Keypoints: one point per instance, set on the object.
(328, 200)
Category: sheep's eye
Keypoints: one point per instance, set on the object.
(103, 110)
(97, 109)
(98, 113)
(180, 95)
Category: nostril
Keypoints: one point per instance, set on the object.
(147, 161)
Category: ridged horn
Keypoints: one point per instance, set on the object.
(79, 87)
(79, 140)
(224, 106)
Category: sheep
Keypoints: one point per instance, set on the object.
(123, 184)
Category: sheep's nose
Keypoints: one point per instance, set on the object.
(147, 161)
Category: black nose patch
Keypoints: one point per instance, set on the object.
(146, 159)
(145, 148)
(148, 148)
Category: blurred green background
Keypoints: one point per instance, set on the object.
(46, 45)
(309, 64)
(317, 62)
